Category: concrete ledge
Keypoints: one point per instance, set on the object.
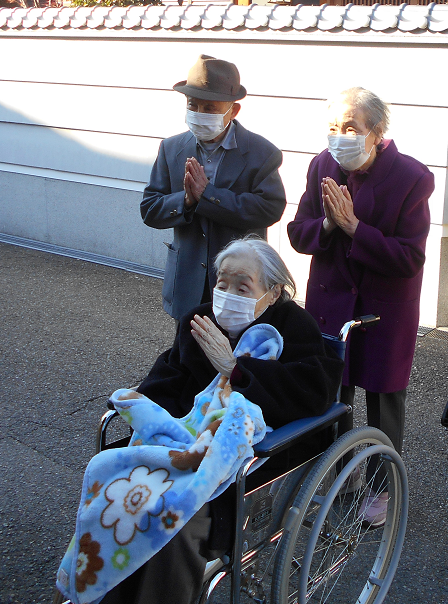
(132, 267)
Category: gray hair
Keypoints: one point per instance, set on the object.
(376, 112)
(273, 271)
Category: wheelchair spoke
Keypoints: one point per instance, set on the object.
(332, 555)
(324, 578)
(335, 550)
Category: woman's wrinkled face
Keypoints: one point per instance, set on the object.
(240, 275)
(346, 119)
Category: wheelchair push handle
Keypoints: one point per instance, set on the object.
(364, 321)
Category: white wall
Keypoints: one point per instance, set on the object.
(81, 120)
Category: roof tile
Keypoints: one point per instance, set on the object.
(438, 18)
(47, 18)
(281, 17)
(258, 16)
(114, 17)
(30, 19)
(192, 16)
(356, 17)
(306, 17)
(235, 16)
(151, 18)
(384, 17)
(411, 19)
(213, 16)
(63, 17)
(5, 13)
(331, 17)
(377, 18)
(133, 17)
(80, 16)
(97, 16)
(16, 17)
(171, 17)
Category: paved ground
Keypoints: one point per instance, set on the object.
(72, 332)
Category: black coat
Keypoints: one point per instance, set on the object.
(303, 382)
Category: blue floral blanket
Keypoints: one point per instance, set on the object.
(135, 499)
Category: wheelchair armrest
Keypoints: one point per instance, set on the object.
(286, 436)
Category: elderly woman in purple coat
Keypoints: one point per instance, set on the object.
(364, 218)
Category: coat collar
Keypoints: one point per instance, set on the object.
(234, 160)
(364, 202)
(382, 165)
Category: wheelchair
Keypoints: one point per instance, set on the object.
(300, 538)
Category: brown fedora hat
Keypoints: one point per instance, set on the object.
(211, 79)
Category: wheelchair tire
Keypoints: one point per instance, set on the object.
(325, 554)
(256, 571)
(288, 493)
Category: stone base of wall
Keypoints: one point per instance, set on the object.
(442, 305)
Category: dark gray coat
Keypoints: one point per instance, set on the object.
(248, 196)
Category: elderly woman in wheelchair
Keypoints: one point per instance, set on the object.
(274, 369)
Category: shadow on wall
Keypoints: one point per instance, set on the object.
(77, 189)
(75, 152)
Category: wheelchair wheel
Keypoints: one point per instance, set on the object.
(326, 555)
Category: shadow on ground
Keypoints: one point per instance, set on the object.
(71, 333)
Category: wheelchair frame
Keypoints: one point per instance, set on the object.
(309, 519)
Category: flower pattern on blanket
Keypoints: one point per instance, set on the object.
(135, 499)
(132, 501)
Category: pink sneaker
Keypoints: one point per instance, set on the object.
(373, 510)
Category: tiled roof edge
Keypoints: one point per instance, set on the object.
(432, 18)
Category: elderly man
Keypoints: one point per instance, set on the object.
(214, 183)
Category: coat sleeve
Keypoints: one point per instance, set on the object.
(181, 372)
(402, 252)
(161, 208)
(305, 231)
(303, 382)
(258, 205)
(166, 381)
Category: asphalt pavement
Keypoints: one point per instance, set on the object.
(71, 333)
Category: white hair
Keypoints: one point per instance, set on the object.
(273, 271)
(376, 112)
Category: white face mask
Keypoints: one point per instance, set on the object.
(205, 126)
(349, 151)
(234, 313)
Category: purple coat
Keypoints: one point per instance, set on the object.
(379, 271)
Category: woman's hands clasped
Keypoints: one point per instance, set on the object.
(338, 208)
(214, 344)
